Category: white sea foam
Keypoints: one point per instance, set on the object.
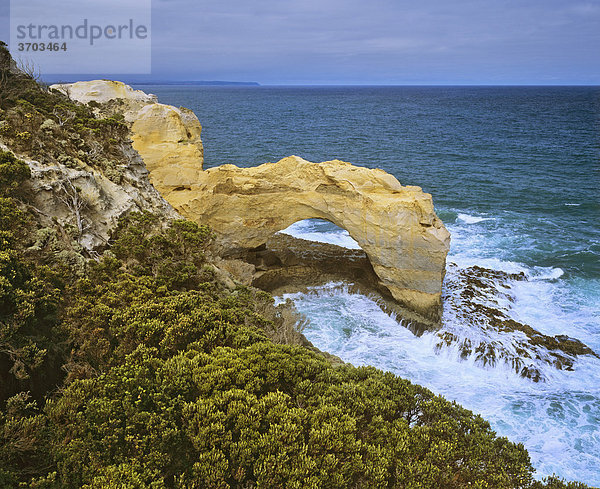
(549, 418)
(306, 230)
(545, 273)
(469, 219)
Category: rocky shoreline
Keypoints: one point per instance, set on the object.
(481, 298)
(288, 265)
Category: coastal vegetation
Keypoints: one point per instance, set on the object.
(137, 367)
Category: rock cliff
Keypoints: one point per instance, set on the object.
(166, 137)
(84, 200)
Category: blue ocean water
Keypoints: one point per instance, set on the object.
(515, 175)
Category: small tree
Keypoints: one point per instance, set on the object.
(71, 196)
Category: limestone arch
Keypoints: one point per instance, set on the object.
(395, 225)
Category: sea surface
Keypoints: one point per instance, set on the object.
(515, 176)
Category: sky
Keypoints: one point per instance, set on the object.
(389, 42)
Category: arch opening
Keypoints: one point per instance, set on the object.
(313, 253)
(322, 231)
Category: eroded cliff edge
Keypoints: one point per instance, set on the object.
(395, 225)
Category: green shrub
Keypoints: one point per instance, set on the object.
(13, 172)
(174, 256)
(23, 438)
(268, 415)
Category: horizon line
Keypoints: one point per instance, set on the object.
(254, 84)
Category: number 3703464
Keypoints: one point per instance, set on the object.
(42, 46)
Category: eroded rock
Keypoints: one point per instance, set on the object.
(167, 138)
(481, 298)
(395, 225)
(86, 202)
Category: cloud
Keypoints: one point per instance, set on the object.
(382, 41)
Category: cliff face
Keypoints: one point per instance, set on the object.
(85, 173)
(85, 201)
(167, 138)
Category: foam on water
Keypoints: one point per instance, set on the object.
(558, 421)
(322, 232)
(468, 219)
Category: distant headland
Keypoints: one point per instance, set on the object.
(202, 83)
(143, 80)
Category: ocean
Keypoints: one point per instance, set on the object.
(515, 175)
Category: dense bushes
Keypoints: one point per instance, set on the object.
(173, 255)
(29, 296)
(274, 416)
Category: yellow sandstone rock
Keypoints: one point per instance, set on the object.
(395, 225)
(167, 138)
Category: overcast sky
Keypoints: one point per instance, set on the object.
(377, 41)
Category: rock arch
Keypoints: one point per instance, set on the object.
(395, 225)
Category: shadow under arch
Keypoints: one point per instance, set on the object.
(315, 252)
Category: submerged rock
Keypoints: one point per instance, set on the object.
(481, 298)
